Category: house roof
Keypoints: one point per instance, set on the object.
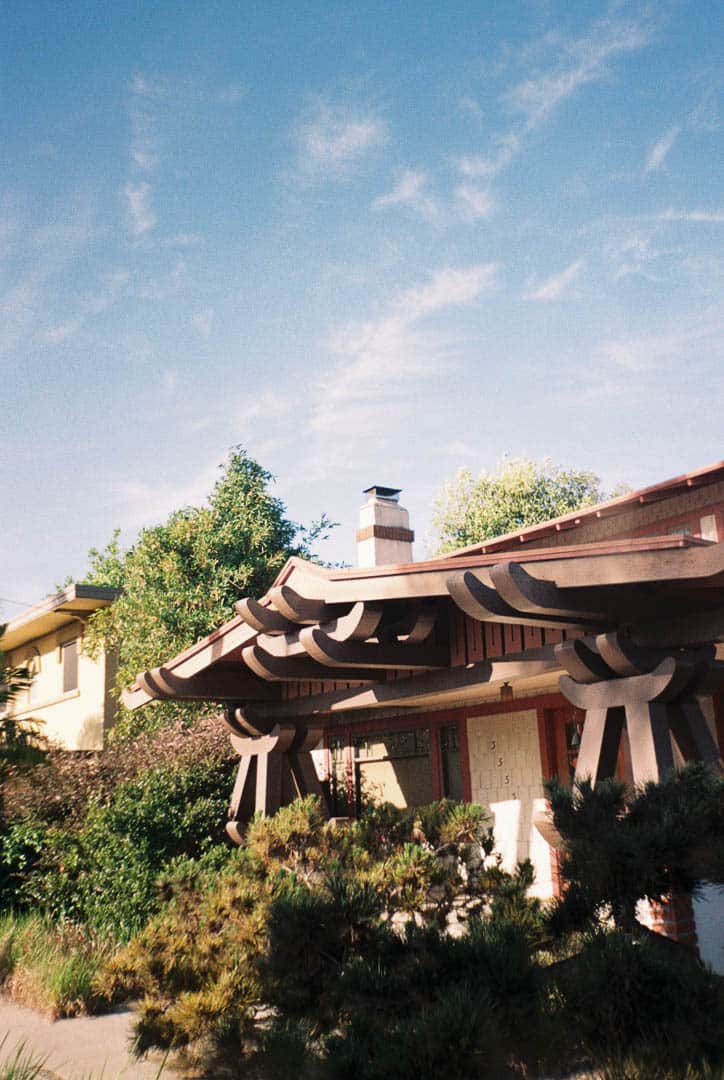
(72, 603)
(611, 508)
(354, 626)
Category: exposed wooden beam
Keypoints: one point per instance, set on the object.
(668, 679)
(532, 595)
(485, 604)
(360, 623)
(679, 631)
(295, 668)
(228, 683)
(418, 689)
(303, 609)
(265, 620)
(359, 654)
(581, 661)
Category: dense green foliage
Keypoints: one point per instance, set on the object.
(668, 836)
(95, 858)
(334, 940)
(521, 492)
(397, 946)
(179, 580)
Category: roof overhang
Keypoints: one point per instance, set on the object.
(379, 638)
(76, 602)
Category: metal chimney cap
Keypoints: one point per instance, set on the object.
(383, 492)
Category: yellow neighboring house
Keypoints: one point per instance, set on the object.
(70, 694)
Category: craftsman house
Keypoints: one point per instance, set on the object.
(586, 646)
(69, 700)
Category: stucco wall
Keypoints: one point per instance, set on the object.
(76, 719)
(505, 774)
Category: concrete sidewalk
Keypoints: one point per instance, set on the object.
(82, 1048)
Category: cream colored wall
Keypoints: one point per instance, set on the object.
(505, 775)
(76, 719)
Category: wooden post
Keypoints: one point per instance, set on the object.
(275, 768)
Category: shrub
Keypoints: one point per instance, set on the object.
(105, 873)
(641, 1008)
(298, 934)
(62, 788)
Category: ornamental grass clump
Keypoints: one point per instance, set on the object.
(51, 967)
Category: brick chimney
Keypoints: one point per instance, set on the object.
(384, 535)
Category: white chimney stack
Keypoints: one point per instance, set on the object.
(384, 535)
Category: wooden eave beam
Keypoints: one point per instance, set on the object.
(485, 604)
(360, 623)
(532, 595)
(216, 684)
(418, 689)
(678, 632)
(304, 609)
(667, 681)
(359, 654)
(300, 668)
(264, 620)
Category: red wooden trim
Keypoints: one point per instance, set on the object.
(474, 640)
(546, 723)
(718, 703)
(493, 639)
(435, 762)
(465, 759)
(457, 638)
(547, 758)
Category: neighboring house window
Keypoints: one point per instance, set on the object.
(680, 530)
(32, 664)
(70, 665)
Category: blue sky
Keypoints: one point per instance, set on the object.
(371, 242)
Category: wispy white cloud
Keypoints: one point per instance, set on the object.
(472, 107)
(704, 216)
(169, 379)
(554, 287)
(151, 87)
(57, 335)
(389, 357)
(582, 61)
(411, 190)
(138, 199)
(137, 502)
(333, 137)
(661, 149)
(468, 203)
(203, 321)
(693, 336)
(477, 166)
(231, 94)
(473, 203)
(147, 94)
(161, 288)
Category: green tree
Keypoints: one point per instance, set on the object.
(180, 580)
(520, 493)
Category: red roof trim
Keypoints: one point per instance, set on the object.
(570, 551)
(708, 475)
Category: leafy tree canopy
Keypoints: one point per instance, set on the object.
(180, 580)
(520, 493)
